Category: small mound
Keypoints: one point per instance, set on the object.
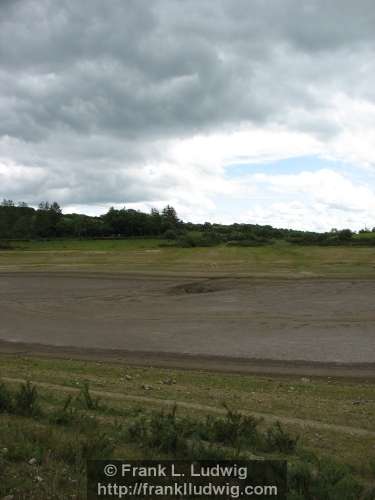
(200, 287)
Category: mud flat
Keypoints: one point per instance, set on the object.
(304, 326)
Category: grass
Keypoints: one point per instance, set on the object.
(71, 426)
(366, 235)
(324, 399)
(145, 255)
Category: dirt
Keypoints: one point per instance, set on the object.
(308, 324)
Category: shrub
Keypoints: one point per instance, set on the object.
(196, 240)
(165, 433)
(5, 245)
(299, 481)
(277, 439)
(170, 234)
(327, 481)
(6, 404)
(234, 430)
(26, 400)
(160, 432)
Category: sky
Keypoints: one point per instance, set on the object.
(230, 110)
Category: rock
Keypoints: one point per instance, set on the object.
(38, 479)
(146, 387)
(128, 377)
(4, 450)
(33, 461)
(305, 380)
(168, 381)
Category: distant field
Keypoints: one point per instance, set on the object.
(145, 255)
(365, 235)
(87, 245)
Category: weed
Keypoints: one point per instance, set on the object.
(65, 415)
(277, 439)
(88, 401)
(26, 400)
(80, 447)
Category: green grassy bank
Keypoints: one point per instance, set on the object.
(145, 255)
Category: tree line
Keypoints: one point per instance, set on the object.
(20, 221)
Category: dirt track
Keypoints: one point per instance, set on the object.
(321, 322)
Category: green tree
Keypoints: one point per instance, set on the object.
(47, 219)
(170, 219)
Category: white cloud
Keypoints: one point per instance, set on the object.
(316, 200)
(151, 103)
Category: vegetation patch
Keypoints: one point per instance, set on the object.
(43, 453)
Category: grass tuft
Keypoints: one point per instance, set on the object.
(26, 400)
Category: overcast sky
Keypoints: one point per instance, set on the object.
(259, 111)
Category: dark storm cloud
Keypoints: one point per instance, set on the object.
(78, 76)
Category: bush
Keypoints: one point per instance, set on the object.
(235, 430)
(5, 245)
(170, 234)
(300, 479)
(277, 439)
(6, 404)
(160, 432)
(327, 481)
(165, 433)
(26, 400)
(199, 240)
